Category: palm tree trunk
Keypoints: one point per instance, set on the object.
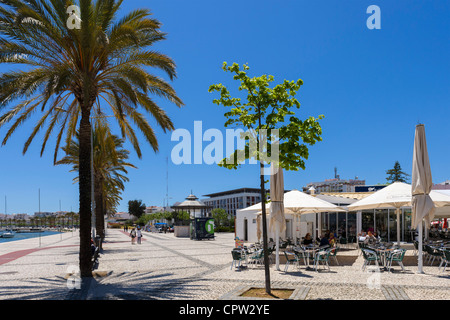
(85, 194)
(98, 193)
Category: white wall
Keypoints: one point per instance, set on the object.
(250, 216)
(300, 225)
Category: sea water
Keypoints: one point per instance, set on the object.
(21, 236)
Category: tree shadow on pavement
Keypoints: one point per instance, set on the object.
(136, 286)
(34, 289)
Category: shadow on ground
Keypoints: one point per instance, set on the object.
(34, 289)
(136, 286)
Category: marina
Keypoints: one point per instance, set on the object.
(9, 235)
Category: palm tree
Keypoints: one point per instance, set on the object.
(109, 170)
(69, 71)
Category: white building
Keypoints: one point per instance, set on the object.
(233, 200)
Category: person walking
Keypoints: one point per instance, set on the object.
(133, 235)
(139, 235)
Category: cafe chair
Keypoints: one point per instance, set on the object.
(238, 257)
(333, 253)
(291, 258)
(370, 256)
(432, 253)
(322, 256)
(397, 256)
(445, 258)
(257, 257)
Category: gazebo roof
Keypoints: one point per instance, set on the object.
(191, 202)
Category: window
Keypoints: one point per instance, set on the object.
(367, 220)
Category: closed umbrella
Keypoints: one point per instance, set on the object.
(258, 228)
(422, 205)
(277, 221)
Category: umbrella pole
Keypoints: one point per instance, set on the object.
(277, 237)
(398, 226)
(420, 258)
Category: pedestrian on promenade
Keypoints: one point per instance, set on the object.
(139, 235)
(133, 235)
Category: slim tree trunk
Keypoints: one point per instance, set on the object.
(264, 227)
(263, 208)
(85, 194)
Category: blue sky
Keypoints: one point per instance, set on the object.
(373, 86)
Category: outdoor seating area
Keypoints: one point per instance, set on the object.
(311, 256)
(383, 256)
(253, 255)
(438, 251)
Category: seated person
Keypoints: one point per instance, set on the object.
(307, 240)
(377, 237)
(362, 237)
(324, 241)
(370, 239)
(332, 240)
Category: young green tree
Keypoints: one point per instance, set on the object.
(265, 111)
(396, 174)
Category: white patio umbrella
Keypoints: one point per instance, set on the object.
(297, 202)
(395, 195)
(423, 206)
(277, 221)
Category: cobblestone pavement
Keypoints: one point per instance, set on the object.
(167, 268)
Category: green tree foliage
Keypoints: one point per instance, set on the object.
(220, 216)
(266, 108)
(136, 208)
(396, 174)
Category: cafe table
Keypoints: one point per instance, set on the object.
(308, 252)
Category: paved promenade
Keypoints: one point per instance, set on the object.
(165, 268)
